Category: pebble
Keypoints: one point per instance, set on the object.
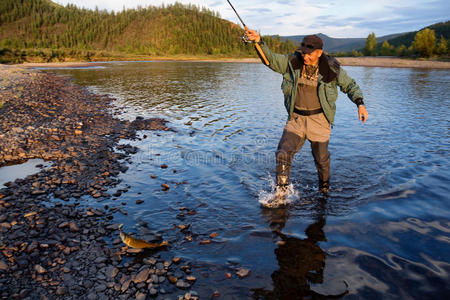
(3, 266)
(142, 275)
(213, 235)
(183, 227)
(242, 272)
(125, 285)
(100, 260)
(92, 296)
(182, 285)
(153, 292)
(215, 294)
(176, 260)
(61, 291)
(100, 288)
(150, 261)
(73, 227)
(172, 279)
(140, 296)
(39, 269)
(154, 278)
(111, 272)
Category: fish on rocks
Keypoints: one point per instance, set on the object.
(138, 243)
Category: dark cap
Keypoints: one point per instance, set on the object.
(311, 43)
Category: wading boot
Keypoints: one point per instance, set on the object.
(281, 189)
(283, 171)
(324, 186)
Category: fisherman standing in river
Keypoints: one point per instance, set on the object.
(310, 81)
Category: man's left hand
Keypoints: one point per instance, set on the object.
(362, 112)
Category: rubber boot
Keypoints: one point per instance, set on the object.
(322, 162)
(283, 171)
(289, 144)
(324, 186)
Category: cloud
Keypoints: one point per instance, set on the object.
(215, 4)
(262, 10)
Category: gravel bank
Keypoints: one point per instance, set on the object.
(51, 245)
(392, 62)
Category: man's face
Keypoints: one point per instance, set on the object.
(313, 57)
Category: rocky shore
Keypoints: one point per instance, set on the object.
(52, 245)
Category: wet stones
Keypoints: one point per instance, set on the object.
(51, 249)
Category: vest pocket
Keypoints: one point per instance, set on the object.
(286, 86)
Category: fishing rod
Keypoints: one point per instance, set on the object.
(246, 39)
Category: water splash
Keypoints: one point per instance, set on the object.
(274, 199)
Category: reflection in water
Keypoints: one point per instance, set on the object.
(301, 261)
(420, 81)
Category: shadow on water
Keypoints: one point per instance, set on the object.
(301, 261)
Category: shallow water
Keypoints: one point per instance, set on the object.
(383, 231)
(16, 171)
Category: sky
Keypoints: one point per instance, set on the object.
(335, 18)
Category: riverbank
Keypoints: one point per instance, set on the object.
(387, 62)
(393, 62)
(52, 244)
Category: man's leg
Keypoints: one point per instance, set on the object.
(290, 143)
(322, 161)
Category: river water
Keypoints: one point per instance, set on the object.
(383, 231)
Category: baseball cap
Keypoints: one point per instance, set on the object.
(311, 43)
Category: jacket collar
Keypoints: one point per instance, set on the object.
(327, 72)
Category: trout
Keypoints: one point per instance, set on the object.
(138, 243)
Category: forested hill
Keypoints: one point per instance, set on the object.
(440, 29)
(32, 25)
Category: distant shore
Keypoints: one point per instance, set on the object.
(388, 62)
(393, 62)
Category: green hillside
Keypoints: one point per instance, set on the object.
(41, 28)
(440, 29)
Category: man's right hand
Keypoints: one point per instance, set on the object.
(252, 35)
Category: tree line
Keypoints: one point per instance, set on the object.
(41, 28)
(425, 44)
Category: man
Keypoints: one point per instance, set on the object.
(310, 81)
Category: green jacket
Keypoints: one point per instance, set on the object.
(331, 75)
